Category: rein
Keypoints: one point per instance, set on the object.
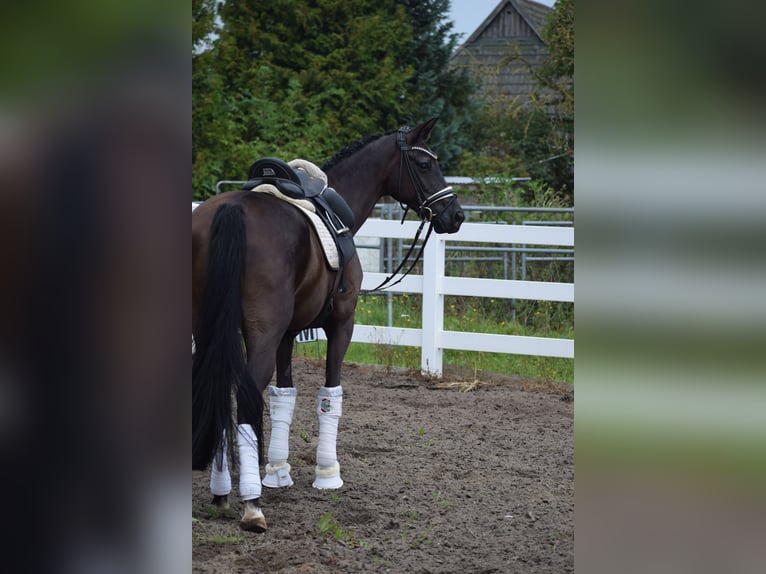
(425, 211)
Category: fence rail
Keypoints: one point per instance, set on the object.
(432, 338)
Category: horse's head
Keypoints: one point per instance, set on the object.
(421, 185)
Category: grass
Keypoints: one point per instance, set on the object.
(413, 534)
(212, 512)
(329, 527)
(470, 314)
(226, 539)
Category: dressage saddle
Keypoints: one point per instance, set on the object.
(331, 208)
(299, 184)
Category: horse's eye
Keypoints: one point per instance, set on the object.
(424, 164)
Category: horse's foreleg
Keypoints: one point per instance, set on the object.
(281, 408)
(330, 408)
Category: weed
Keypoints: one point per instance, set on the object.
(412, 535)
(421, 433)
(335, 497)
(440, 498)
(226, 539)
(328, 526)
(212, 512)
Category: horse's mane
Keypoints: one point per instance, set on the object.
(351, 149)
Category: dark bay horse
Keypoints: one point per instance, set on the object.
(259, 277)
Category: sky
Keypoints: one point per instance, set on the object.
(468, 14)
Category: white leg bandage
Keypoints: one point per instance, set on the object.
(329, 409)
(281, 407)
(249, 474)
(220, 480)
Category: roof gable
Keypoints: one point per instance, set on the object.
(513, 19)
(505, 49)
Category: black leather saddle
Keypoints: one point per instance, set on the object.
(297, 184)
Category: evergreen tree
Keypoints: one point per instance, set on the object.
(435, 89)
(303, 79)
(336, 59)
(203, 21)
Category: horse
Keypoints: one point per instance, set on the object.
(259, 277)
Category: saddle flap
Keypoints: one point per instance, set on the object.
(312, 186)
(339, 207)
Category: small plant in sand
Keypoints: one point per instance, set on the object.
(328, 526)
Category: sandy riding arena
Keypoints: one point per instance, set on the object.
(437, 480)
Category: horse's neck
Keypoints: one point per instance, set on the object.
(361, 183)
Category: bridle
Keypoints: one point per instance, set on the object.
(424, 210)
(426, 201)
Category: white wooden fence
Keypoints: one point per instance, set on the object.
(432, 338)
(433, 285)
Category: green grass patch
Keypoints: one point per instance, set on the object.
(468, 314)
(226, 539)
(329, 527)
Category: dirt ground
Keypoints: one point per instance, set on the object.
(437, 480)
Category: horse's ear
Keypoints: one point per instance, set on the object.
(423, 131)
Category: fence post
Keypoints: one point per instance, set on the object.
(433, 306)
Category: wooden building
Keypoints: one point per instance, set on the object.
(503, 48)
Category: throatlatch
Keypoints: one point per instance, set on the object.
(281, 408)
(329, 410)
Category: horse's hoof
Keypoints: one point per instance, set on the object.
(328, 478)
(257, 525)
(221, 501)
(277, 476)
(253, 519)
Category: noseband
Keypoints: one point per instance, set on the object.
(424, 210)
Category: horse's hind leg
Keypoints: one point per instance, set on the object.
(261, 350)
(220, 479)
(281, 407)
(249, 479)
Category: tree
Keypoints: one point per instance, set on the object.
(343, 58)
(435, 89)
(303, 79)
(556, 78)
(513, 137)
(557, 74)
(203, 21)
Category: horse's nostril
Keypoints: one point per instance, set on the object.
(459, 217)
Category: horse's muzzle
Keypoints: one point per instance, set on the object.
(450, 219)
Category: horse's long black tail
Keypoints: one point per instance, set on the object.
(219, 360)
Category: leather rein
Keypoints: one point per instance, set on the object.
(424, 210)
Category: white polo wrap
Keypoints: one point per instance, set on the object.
(220, 480)
(281, 408)
(249, 474)
(329, 410)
